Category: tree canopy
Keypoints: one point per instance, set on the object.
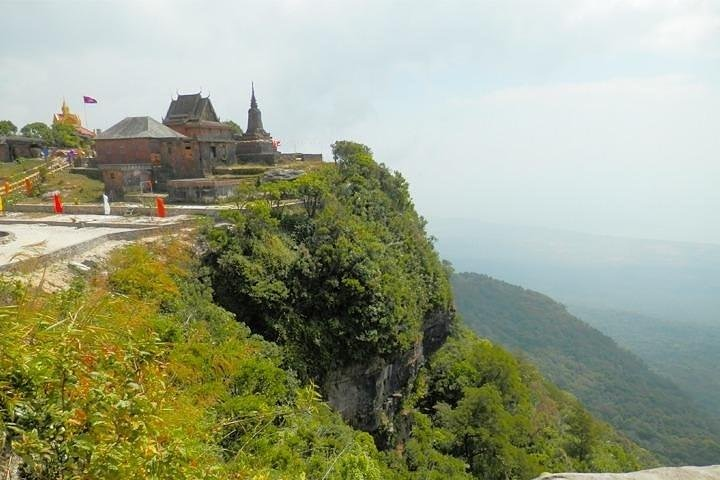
(7, 127)
(236, 129)
(38, 130)
(350, 274)
(65, 136)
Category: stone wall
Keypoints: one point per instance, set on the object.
(202, 190)
(73, 250)
(301, 157)
(12, 149)
(89, 172)
(123, 178)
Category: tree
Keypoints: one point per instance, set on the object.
(38, 130)
(7, 127)
(65, 136)
(236, 129)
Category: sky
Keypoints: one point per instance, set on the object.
(597, 116)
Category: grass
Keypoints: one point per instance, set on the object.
(73, 188)
(9, 170)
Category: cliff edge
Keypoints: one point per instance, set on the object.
(667, 473)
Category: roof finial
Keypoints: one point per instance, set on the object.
(253, 102)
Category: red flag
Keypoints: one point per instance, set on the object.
(28, 186)
(87, 99)
(58, 203)
(160, 203)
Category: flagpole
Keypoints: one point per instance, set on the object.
(85, 108)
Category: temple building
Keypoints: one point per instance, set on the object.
(66, 117)
(194, 116)
(140, 154)
(256, 145)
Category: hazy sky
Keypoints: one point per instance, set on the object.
(591, 115)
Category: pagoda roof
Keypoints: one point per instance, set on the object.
(139, 127)
(190, 108)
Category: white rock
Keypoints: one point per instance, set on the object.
(666, 473)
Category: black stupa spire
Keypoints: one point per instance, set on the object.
(255, 126)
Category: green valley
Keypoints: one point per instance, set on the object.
(613, 383)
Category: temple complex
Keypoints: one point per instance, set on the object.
(66, 117)
(191, 155)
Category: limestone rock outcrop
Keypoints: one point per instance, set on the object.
(369, 396)
(9, 462)
(666, 473)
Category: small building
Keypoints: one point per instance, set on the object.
(15, 147)
(194, 116)
(140, 154)
(256, 145)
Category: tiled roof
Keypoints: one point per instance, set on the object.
(190, 108)
(139, 127)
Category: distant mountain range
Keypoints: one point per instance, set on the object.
(674, 281)
(612, 382)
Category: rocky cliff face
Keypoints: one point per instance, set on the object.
(9, 462)
(369, 395)
(669, 473)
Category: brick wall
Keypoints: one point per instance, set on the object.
(178, 158)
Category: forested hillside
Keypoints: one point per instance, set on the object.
(686, 353)
(613, 383)
(135, 371)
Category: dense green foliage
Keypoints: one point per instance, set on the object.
(39, 130)
(136, 373)
(610, 381)
(140, 375)
(66, 136)
(7, 127)
(236, 129)
(686, 353)
(59, 135)
(346, 275)
(505, 421)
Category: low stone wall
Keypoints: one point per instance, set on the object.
(93, 209)
(301, 157)
(93, 173)
(73, 250)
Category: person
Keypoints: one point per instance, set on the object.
(106, 204)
